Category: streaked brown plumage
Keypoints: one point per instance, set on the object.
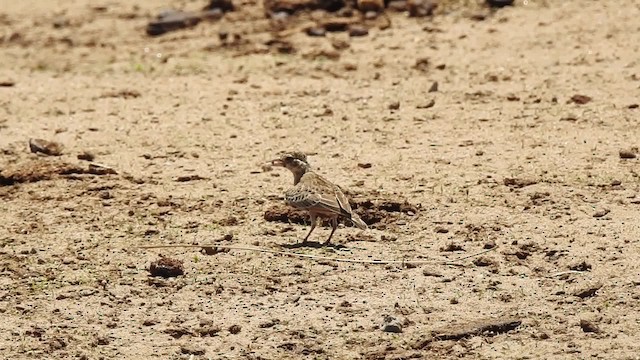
(317, 195)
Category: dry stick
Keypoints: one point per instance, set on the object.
(476, 254)
(317, 257)
(565, 273)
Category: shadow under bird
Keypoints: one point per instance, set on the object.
(315, 194)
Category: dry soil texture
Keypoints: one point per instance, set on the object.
(525, 150)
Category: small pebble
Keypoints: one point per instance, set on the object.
(87, 156)
(580, 99)
(235, 329)
(589, 327)
(489, 244)
(166, 267)
(600, 213)
(45, 147)
(192, 349)
(391, 324)
(357, 31)
(499, 3)
(628, 153)
(316, 31)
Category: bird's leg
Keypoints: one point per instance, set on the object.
(313, 226)
(334, 226)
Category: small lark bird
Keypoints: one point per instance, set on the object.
(317, 195)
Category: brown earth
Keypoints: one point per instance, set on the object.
(526, 150)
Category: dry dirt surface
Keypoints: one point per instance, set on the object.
(494, 154)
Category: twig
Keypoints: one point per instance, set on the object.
(315, 257)
(565, 273)
(476, 254)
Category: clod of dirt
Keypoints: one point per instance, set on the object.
(86, 156)
(171, 20)
(579, 99)
(292, 6)
(452, 247)
(192, 349)
(429, 104)
(124, 94)
(177, 333)
(433, 88)
(394, 105)
(499, 3)
(365, 165)
(336, 24)
(391, 324)
(195, 177)
(46, 147)
(633, 106)
(519, 182)
(422, 64)
(235, 329)
(441, 230)
(484, 261)
(397, 5)
(513, 97)
(36, 332)
(370, 5)
(628, 153)
(488, 327)
(223, 5)
(208, 329)
(383, 211)
(489, 244)
(421, 8)
(98, 169)
(588, 291)
(580, 266)
(60, 22)
(431, 273)
(540, 197)
(269, 324)
(286, 214)
(316, 31)
(102, 340)
(39, 170)
(589, 327)
(166, 268)
(569, 117)
(358, 30)
(281, 46)
(208, 250)
(57, 343)
(150, 322)
(340, 44)
(600, 213)
(322, 54)
(7, 83)
(480, 15)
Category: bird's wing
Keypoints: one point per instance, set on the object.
(313, 192)
(342, 200)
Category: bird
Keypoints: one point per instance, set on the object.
(315, 194)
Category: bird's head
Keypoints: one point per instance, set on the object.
(295, 161)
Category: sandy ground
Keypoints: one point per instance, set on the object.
(498, 159)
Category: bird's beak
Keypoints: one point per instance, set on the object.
(277, 162)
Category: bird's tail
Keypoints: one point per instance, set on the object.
(355, 219)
